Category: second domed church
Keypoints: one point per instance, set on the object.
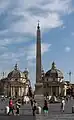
(52, 82)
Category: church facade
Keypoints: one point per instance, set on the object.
(54, 83)
(16, 84)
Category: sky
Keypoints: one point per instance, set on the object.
(18, 25)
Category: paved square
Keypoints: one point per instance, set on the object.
(56, 114)
(26, 112)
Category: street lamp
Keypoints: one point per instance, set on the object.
(70, 74)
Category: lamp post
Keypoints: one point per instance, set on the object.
(70, 74)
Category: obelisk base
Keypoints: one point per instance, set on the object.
(39, 97)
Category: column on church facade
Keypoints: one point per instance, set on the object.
(51, 90)
(59, 90)
(19, 92)
(56, 90)
(11, 91)
(26, 90)
(65, 87)
(7, 91)
(22, 91)
(62, 90)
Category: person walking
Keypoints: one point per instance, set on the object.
(11, 106)
(34, 107)
(63, 104)
(31, 101)
(17, 108)
(67, 98)
(45, 108)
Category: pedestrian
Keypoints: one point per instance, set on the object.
(63, 104)
(67, 98)
(17, 108)
(11, 106)
(45, 108)
(31, 101)
(34, 107)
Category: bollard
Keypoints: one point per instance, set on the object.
(72, 109)
(6, 109)
(38, 110)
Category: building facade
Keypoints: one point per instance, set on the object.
(53, 82)
(16, 83)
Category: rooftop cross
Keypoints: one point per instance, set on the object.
(15, 66)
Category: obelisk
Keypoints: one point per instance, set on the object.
(39, 84)
(38, 55)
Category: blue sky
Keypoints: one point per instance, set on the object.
(18, 22)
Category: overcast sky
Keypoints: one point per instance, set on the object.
(18, 22)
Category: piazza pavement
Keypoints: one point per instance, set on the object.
(26, 112)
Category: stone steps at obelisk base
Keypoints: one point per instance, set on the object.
(26, 109)
(40, 100)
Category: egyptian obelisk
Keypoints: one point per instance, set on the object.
(38, 55)
(38, 85)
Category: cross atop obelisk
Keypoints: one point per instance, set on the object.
(38, 55)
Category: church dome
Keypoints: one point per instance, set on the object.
(15, 73)
(54, 72)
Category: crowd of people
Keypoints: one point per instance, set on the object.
(14, 108)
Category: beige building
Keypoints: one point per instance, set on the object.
(16, 83)
(52, 83)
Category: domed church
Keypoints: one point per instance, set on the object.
(53, 83)
(16, 83)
